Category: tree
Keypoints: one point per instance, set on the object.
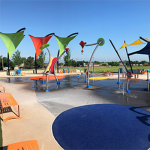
(16, 58)
(29, 62)
(73, 62)
(142, 62)
(67, 59)
(41, 59)
(103, 64)
(96, 62)
(24, 60)
(113, 63)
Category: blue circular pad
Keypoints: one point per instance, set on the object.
(103, 126)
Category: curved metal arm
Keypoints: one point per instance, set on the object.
(50, 34)
(68, 35)
(91, 59)
(144, 40)
(21, 29)
(91, 44)
(72, 34)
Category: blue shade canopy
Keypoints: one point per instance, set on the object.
(145, 50)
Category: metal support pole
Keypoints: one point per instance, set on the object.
(118, 56)
(119, 77)
(43, 79)
(127, 91)
(128, 58)
(88, 86)
(47, 90)
(85, 77)
(148, 76)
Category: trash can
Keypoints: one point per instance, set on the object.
(120, 70)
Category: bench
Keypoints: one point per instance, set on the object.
(7, 100)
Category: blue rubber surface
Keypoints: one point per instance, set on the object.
(103, 126)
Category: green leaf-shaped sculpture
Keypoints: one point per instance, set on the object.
(12, 40)
(63, 42)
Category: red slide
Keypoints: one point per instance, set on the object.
(52, 65)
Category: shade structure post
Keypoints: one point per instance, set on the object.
(128, 58)
(35, 64)
(8, 73)
(118, 55)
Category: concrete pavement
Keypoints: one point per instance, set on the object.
(35, 121)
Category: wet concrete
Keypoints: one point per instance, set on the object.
(72, 92)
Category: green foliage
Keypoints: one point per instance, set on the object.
(59, 64)
(5, 63)
(96, 62)
(67, 59)
(16, 58)
(29, 62)
(113, 63)
(24, 60)
(109, 69)
(41, 59)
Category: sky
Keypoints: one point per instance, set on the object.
(117, 20)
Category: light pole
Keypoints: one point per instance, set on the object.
(2, 62)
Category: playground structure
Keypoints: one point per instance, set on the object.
(100, 42)
(41, 42)
(18, 73)
(62, 43)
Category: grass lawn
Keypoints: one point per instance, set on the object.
(108, 69)
(96, 69)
